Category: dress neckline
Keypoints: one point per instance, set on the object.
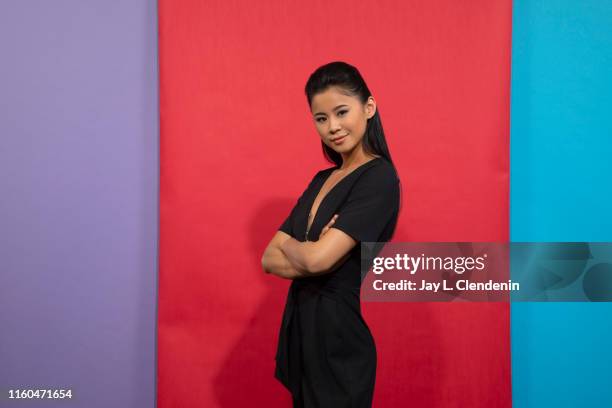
(314, 217)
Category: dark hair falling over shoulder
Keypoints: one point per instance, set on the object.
(347, 77)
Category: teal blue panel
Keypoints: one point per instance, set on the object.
(561, 190)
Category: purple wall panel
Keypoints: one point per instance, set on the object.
(78, 200)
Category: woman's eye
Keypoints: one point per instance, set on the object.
(321, 119)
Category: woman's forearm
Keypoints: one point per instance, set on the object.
(316, 258)
(301, 255)
(276, 263)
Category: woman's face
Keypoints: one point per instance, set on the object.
(341, 119)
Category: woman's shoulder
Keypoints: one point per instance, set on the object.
(376, 170)
(321, 174)
(324, 172)
(380, 171)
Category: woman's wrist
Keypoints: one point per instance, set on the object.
(290, 249)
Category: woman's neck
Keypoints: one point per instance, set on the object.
(355, 158)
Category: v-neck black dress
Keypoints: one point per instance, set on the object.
(326, 355)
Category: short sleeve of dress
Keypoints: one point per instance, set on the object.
(287, 225)
(372, 203)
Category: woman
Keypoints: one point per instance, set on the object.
(326, 354)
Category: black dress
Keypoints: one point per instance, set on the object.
(326, 355)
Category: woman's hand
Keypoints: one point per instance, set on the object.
(328, 225)
(333, 247)
(323, 231)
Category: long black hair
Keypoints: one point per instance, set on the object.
(348, 78)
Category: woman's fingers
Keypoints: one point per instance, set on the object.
(332, 221)
(328, 225)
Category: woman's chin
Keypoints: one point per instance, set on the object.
(342, 148)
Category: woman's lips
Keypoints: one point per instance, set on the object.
(339, 140)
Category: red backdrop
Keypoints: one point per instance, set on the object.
(238, 147)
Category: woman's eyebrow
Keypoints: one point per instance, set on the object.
(335, 109)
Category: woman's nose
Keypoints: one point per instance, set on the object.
(334, 125)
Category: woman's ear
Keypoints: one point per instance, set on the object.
(370, 107)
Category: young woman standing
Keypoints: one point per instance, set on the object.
(326, 354)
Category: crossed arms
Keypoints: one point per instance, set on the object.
(289, 258)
